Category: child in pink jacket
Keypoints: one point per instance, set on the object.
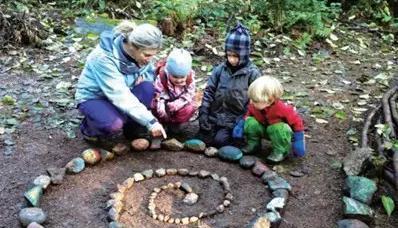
(174, 89)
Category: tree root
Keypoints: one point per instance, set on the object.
(393, 107)
(387, 110)
(368, 122)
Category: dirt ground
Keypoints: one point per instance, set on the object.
(80, 200)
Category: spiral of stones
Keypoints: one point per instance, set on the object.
(115, 204)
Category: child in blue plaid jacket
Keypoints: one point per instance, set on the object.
(225, 97)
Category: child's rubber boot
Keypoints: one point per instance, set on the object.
(276, 157)
(252, 146)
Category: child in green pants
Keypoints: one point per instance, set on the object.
(269, 117)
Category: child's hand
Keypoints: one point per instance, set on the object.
(237, 132)
(204, 122)
(299, 144)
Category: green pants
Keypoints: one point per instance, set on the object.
(280, 135)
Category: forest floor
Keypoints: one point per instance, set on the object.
(332, 87)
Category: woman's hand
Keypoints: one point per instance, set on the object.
(157, 130)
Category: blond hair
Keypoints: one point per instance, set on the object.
(143, 36)
(265, 89)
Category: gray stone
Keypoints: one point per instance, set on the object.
(43, 181)
(191, 198)
(75, 166)
(195, 145)
(230, 153)
(186, 187)
(148, 173)
(220, 208)
(279, 183)
(120, 149)
(215, 176)
(107, 155)
(268, 175)
(353, 162)
(138, 177)
(229, 196)
(360, 188)
(182, 172)
(155, 144)
(357, 210)
(32, 214)
(211, 151)
(276, 203)
(56, 175)
(283, 193)
(193, 173)
(172, 144)
(273, 216)
(224, 182)
(296, 173)
(160, 172)
(351, 223)
(35, 225)
(171, 171)
(113, 215)
(247, 161)
(203, 173)
(259, 168)
(116, 225)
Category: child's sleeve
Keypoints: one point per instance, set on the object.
(292, 117)
(160, 91)
(208, 95)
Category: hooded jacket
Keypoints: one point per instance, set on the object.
(109, 73)
(225, 98)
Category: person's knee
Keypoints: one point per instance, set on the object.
(113, 127)
(222, 138)
(183, 115)
(251, 123)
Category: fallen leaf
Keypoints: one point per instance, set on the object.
(321, 121)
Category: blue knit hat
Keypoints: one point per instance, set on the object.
(238, 40)
(179, 63)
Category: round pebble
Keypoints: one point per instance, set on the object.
(230, 153)
(42, 180)
(191, 198)
(148, 173)
(138, 177)
(140, 144)
(120, 149)
(35, 225)
(247, 162)
(75, 166)
(211, 151)
(106, 155)
(91, 156)
(160, 172)
(32, 214)
(195, 145)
